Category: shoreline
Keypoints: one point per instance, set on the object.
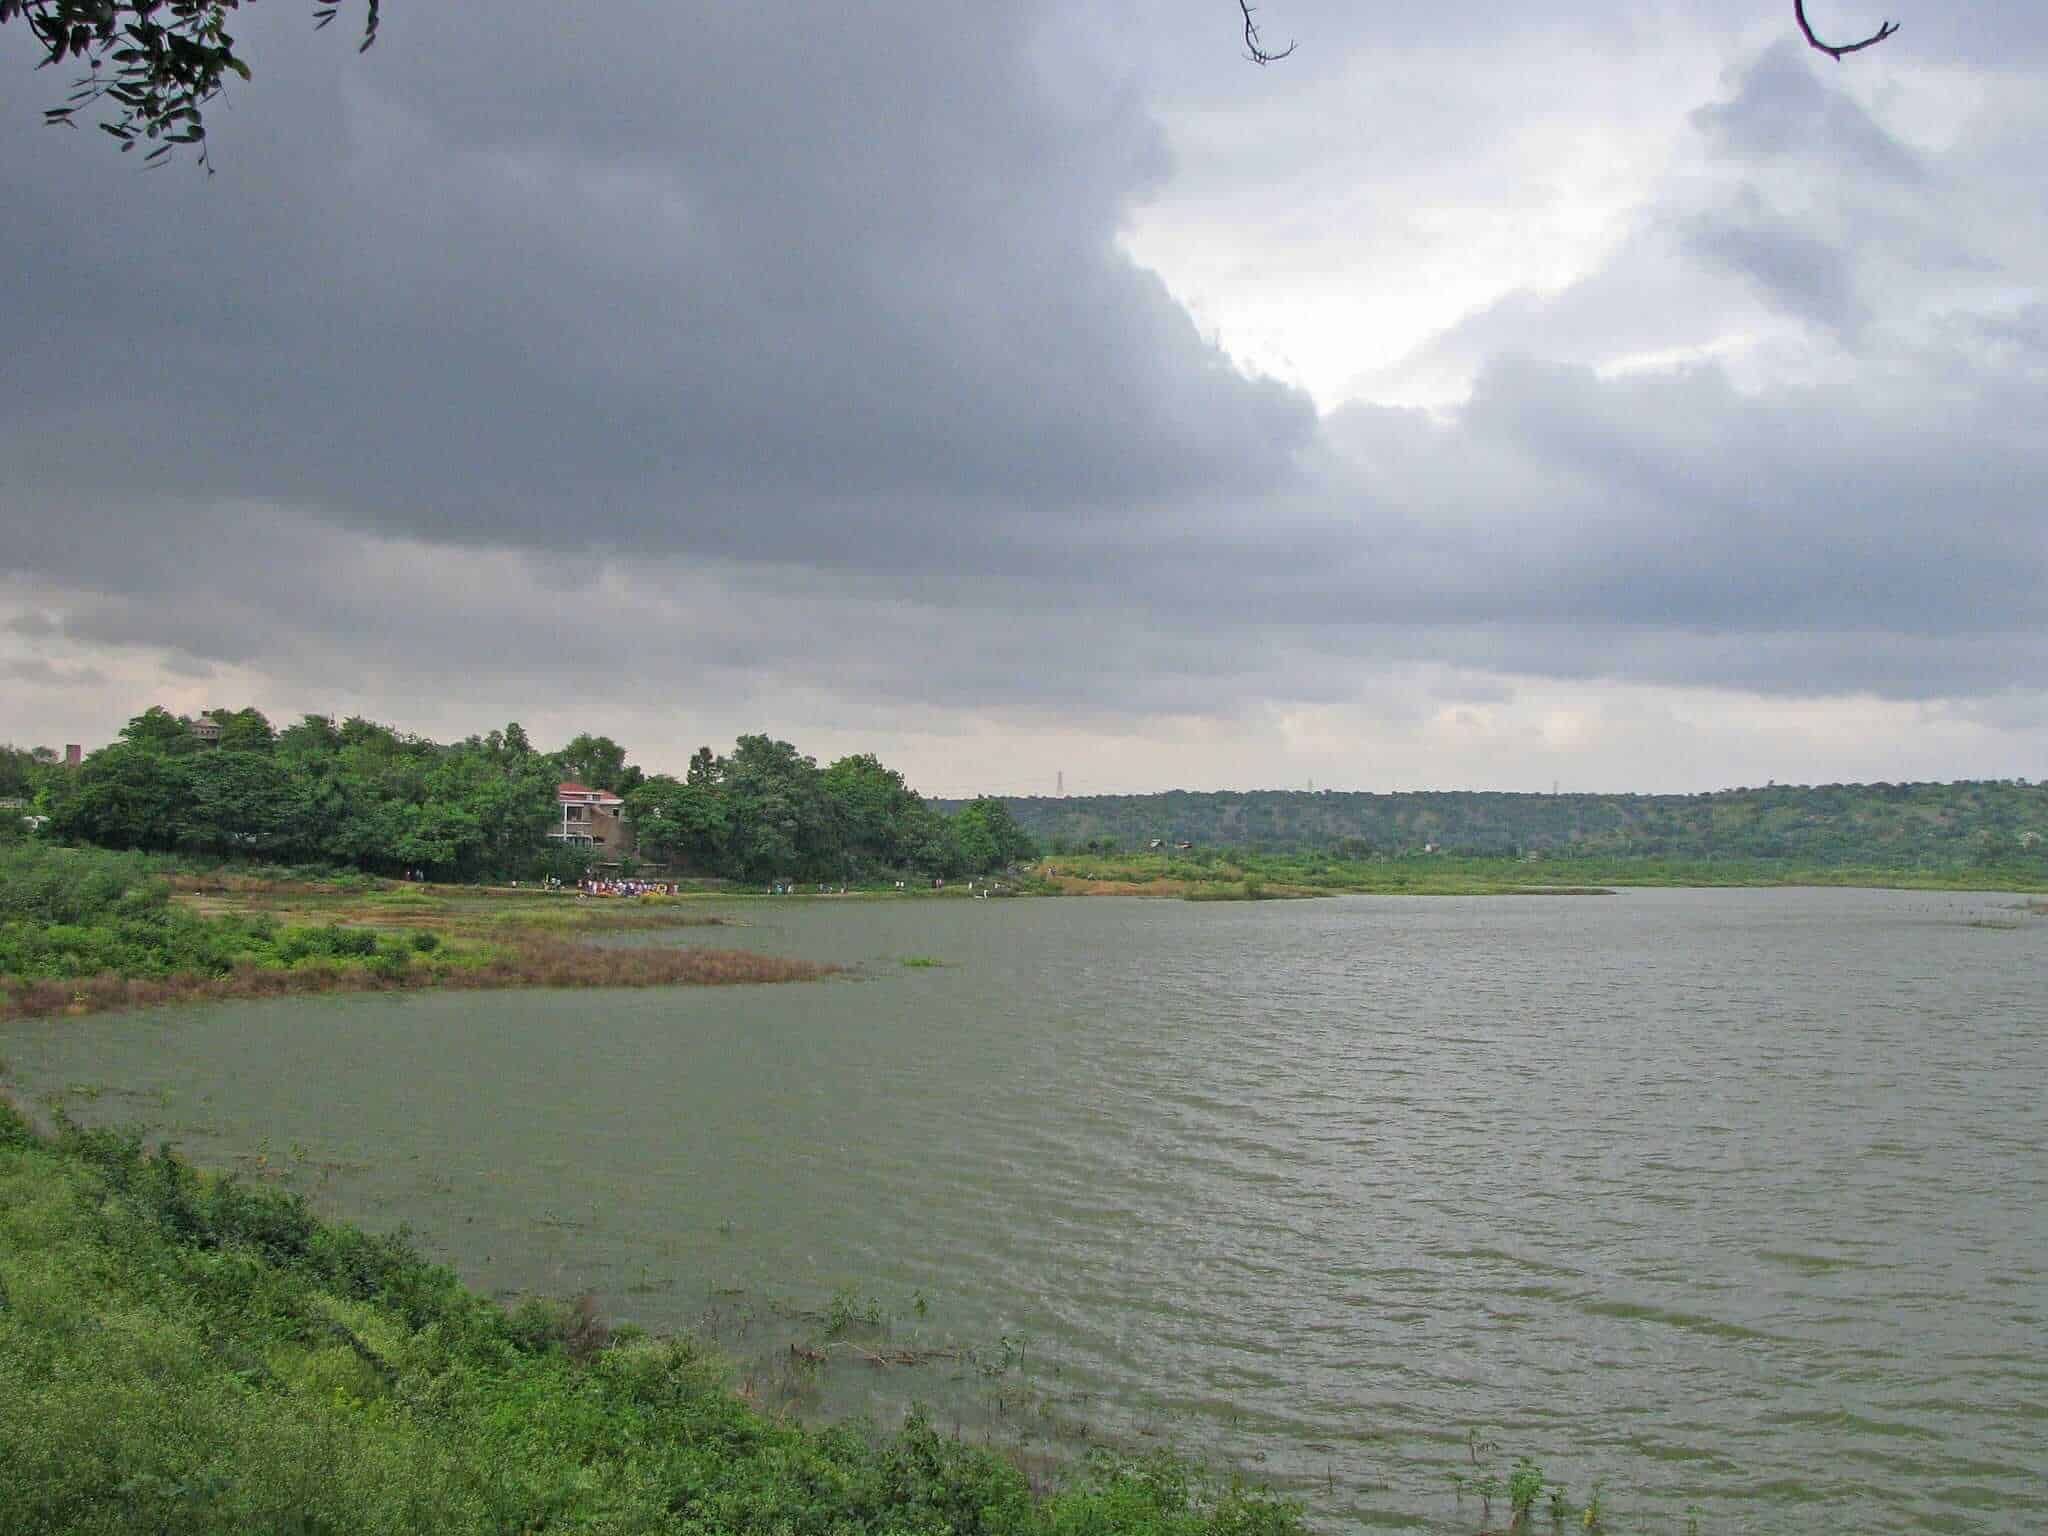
(192, 1352)
(1217, 876)
(279, 937)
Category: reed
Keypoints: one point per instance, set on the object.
(537, 961)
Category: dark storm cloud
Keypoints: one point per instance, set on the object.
(749, 271)
(819, 322)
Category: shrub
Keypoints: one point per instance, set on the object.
(389, 963)
(348, 943)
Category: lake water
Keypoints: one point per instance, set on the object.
(1733, 1200)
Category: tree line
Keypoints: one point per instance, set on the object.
(1927, 825)
(362, 795)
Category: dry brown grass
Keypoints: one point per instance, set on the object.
(227, 882)
(550, 962)
(533, 962)
(1075, 885)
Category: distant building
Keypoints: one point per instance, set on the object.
(74, 754)
(206, 730)
(591, 818)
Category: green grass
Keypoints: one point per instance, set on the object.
(182, 1355)
(76, 915)
(83, 930)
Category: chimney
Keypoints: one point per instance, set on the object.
(74, 754)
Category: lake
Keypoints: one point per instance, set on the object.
(1733, 1201)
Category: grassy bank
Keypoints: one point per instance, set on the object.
(83, 930)
(1235, 875)
(179, 1354)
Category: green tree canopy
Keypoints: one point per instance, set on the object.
(878, 814)
(128, 795)
(782, 823)
(239, 802)
(160, 731)
(599, 762)
(675, 822)
(244, 730)
(989, 836)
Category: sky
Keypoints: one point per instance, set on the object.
(1615, 396)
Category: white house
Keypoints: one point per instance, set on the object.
(590, 818)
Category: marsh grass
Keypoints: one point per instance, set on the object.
(83, 931)
(529, 962)
(606, 915)
(1251, 889)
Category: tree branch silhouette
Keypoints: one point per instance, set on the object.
(1254, 46)
(1839, 50)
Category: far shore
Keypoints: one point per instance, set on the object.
(297, 936)
(1229, 875)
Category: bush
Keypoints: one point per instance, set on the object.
(348, 943)
(391, 963)
(14, 1131)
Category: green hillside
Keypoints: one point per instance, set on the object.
(1985, 822)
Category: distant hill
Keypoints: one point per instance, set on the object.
(1901, 825)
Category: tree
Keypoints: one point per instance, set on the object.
(126, 796)
(239, 802)
(20, 773)
(245, 730)
(876, 811)
(679, 822)
(989, 837)
(438, 837)
(313, 737)
(781, 819)
(510, 801)
(599, 762)
(157, 730)
(170, 58)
